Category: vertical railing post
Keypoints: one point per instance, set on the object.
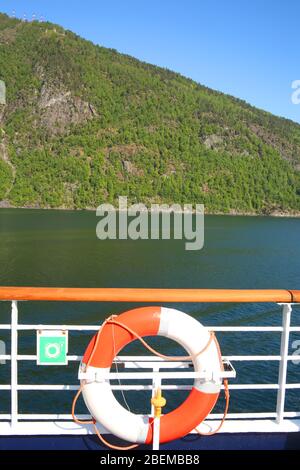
(156, 434)
(284, 348)
(14, 363)
(156, 384)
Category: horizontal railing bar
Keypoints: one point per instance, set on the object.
(254, 386)
(259, 415)
(33, 357)
(234, 357)
(241, 329)
(47, 417)
(59, 327)
(293, 357)
(96, 328)
(23, 327)
(148, 295)
(150, 387)
(254, 358)
(44, 417)
(154, 375)
(68, 417)
(47, 387)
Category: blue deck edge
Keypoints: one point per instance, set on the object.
(230, 441)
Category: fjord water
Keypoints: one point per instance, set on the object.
(60, 248)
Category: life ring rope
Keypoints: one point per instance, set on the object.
(154, 351)
(111, 320)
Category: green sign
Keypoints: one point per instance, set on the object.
(52, 347)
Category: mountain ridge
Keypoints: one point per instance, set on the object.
(84, 124)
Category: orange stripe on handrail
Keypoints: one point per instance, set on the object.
(72, 294)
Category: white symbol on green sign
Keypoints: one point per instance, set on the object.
(52, 347)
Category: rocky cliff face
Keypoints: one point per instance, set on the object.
(58, 109)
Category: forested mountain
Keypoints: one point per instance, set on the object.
(83, 124)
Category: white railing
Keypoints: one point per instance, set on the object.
(279, 420)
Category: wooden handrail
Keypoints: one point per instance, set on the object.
(74, 294)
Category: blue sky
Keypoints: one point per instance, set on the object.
(248, 48)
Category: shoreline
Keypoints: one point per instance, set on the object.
(233, 213)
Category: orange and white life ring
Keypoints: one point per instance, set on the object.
(150, 321)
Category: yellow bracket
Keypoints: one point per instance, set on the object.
(158, 402)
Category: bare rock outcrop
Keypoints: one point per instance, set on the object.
(212, 141)
(59, 109)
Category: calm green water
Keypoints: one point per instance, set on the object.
(60, 248)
